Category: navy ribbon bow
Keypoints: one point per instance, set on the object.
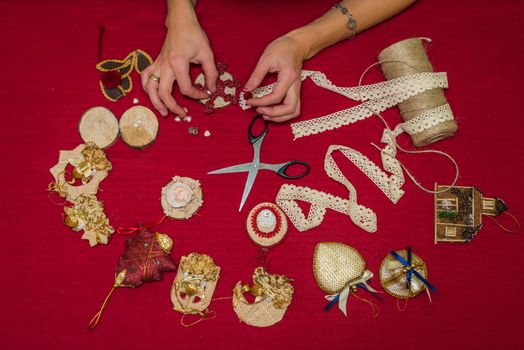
(411, 270)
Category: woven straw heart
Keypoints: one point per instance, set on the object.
(336, 264)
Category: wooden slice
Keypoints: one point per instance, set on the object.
(99, 125)
(138, 126)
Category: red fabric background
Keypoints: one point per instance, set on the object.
(53, 283)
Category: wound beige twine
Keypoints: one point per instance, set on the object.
(409, 57)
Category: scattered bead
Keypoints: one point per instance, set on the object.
(207, 133)
(187, 119)
(178, 119)
(193, 131)
(247, 95)
(135, 101)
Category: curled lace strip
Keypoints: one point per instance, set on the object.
(379, 97)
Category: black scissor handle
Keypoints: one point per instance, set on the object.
(254, 138)
(283, 170)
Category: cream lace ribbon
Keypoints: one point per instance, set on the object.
(378, 97)
(390, 185)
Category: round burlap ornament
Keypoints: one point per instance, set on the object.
(266, 224)
(393, 276)
(335, 265)
(181, 198)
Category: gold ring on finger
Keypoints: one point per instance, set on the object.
(155, 77)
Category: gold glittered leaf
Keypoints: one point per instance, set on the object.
(165, 242)
(120, 278)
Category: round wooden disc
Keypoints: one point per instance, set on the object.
(99, 125)
(266, 224)
(176, 210)
(138, 126)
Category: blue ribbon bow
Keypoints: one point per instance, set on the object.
(411, 270)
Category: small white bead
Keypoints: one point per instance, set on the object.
(178, 119)
(135, 101)
(207, 133)
(187, 119)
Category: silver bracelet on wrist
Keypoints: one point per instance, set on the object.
(352, 23)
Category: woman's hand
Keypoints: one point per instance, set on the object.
(185, 43)
(283, 56)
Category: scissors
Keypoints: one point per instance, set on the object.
(253, 167)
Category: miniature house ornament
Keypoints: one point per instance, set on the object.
(459, 211)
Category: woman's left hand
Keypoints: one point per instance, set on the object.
(283, 56)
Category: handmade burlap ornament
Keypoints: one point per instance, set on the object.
(147, 255)
(339, 269)
(194, 285)
(90, 168)
(181, 198)
(266, 224)
(87, 214)
(404, 275)
(273, 294)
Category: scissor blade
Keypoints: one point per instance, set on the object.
(249, 183)
(241, 168)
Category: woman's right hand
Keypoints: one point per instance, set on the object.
(185, 43)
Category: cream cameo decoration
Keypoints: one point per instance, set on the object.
(181, 198)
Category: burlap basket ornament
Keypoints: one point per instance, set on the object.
(273, 294)
(194, 284)
(339, 269)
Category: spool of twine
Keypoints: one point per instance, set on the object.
(408, 57)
